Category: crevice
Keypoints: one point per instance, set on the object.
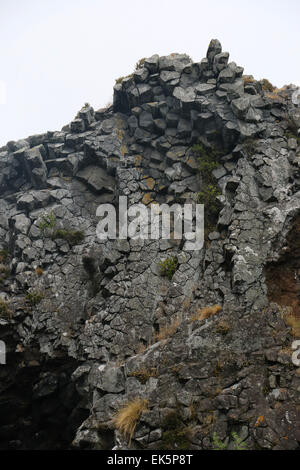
(40, 407)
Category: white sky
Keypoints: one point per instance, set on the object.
(55, 55)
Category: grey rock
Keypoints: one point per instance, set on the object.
(108, 379)
(220, 61)
(152, 63)
(140, 75)
(146, 121)
(214, 48)
(240, 107)
(97, 179)
(204, 88)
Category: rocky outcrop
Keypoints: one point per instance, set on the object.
(91, 323)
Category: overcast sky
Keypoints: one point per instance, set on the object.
(58, 54)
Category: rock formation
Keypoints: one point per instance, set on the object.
(91, 325)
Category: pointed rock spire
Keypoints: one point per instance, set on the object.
(214, 48)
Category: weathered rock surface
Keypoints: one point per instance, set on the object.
(90, 344)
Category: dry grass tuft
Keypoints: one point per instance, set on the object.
(128, 415)
(248, 79)
(273, 95)
(168, 330)
(143, 374)
(205, 312)
(141, 348)
(267, 85)
(293, 321)
(39, 271)
(223, 327)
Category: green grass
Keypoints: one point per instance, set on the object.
(5, 311)
(207, 159)
(217, 443)
(48, 224)
(48, 221)
(207, 162)
(168, 267)
(238, 444)
(292, 135)
(34, 297)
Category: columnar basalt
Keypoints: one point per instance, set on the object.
(101, 311)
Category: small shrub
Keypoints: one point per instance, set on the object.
(172, 421)
(71, 236)
(48, 221)
(5, 311)
(4, 256)
(238, 444)
(127, 417)
(206, 160)
(207, 163)
(175, 439)
(34, 297)
(168, 267)
(175, 435)
(208, 197)
(292, 135)
(206, 312)
(217, 443)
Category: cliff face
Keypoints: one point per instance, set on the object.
(91, 325)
